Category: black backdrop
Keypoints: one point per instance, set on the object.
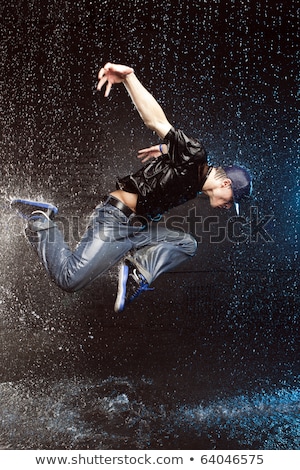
(209, 359)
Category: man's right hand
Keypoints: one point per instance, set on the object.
(111, 74)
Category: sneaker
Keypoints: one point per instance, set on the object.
(27, 208)
(131, 284)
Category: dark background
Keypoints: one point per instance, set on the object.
(210, 358)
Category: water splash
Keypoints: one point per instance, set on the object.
(118, 413)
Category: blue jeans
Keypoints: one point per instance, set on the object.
(109, 237)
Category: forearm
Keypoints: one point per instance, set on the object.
(150, 111)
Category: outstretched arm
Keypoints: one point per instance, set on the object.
(147, 106)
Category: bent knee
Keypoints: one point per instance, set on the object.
(69, 285)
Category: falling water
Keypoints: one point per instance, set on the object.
(210, 359)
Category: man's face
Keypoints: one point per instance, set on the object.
(222, 197)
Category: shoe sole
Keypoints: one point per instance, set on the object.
(121, 295)
(43, 206)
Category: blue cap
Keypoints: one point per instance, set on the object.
(241, 183)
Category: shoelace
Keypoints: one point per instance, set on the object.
(143, 285)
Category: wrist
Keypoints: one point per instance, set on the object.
(163, 148)
(129, 76)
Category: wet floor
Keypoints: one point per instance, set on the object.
(210, 358)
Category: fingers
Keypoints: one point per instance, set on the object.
(148, 153)
(107, 90)
(112, 73)
(146, 158)
(104, 69)
(101, 82)
(101, 73)
(142, 151)
(102, 77)
(149, 149)
(143, 155)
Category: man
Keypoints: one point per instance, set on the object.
(177, 172)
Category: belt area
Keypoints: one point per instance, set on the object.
(119, 205)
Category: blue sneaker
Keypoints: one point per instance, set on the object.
(27, 208)
(131, 284)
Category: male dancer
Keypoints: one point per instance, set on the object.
(177, 172)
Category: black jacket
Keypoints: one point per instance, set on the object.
(171, 179)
